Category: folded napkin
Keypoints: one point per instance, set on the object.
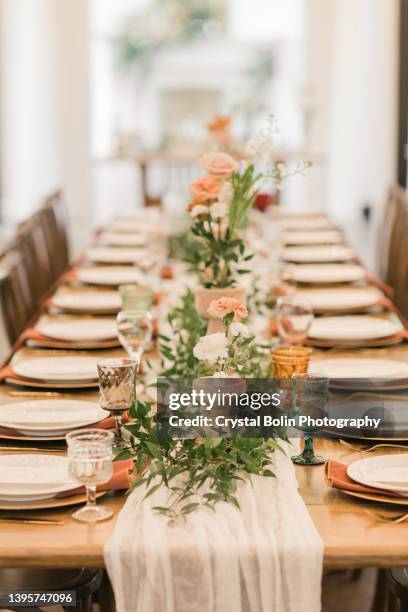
(7, 372)
(68, 277)
(380, 284)
(337, 477)
(121, 479)
(265, 557)
(166, 272)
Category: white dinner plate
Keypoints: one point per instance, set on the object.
(32, 477)
(109, 275)
(327, 273)
(88, 301)
(123, 240)
(352, 327)
(388, 472)
(57, 369)
(342, 298)
(114, 255)
(76, 330)
(312, 237)
(306, 223)
(49, 416)
(360, 368)
(327, 253)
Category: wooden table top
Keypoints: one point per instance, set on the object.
(352, 537)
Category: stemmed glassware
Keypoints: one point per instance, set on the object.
(117, 391)
(135, 329)
(294, 318)
(90, 464)
(310, 396)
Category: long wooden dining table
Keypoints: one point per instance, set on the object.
(353, 535)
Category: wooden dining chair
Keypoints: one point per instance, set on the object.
(384, 233)
(84, 582)
(31, 243)
(15, 298)
(56, 218)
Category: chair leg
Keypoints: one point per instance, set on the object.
(356, 574)
(105, 596)
(381, 592)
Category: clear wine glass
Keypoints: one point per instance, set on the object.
(135, 328)
(117, 391)
(90, 464)
(294, 317)
(310, 396)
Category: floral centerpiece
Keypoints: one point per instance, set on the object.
(219, 207)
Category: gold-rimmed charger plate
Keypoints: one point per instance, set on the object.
(55, 502)
(59, 344)
(377, 497)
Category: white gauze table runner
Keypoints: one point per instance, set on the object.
(266, 557)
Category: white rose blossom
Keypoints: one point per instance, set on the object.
(199, 209)
(239, 329)
(211, 348)
(219, 210)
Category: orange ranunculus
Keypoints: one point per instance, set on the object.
(218, 309)
(219, 123)
(221, 165)
(205, 188)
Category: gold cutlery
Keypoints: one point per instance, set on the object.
(34, 394)
(368, 448)
(386, 518)
(29, 521)
(32, 449)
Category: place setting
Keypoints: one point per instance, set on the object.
(109, 276)
(68, 332)
(315, 254)
(312, 237)
(56, 372)
(85, 301)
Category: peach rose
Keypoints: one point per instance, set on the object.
(205, 188)
(221, 165)
(218, 309)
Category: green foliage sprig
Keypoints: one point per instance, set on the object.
(196, 472)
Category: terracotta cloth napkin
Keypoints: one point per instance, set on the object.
(337, 477)
(120, 480)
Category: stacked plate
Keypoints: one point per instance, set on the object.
(313, 237)
(342, 299)
(47, 419)
(372, 369)
(327, 273)
(355, 331)
(305, 223)
(388, 473)
(122, 240)
(115, 255)
(55, 372)
(109, 275)
(76, 333)
(33, 477)
(87, 302)
(309, 254)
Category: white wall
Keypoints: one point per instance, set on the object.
(44, 79)
(352, 66)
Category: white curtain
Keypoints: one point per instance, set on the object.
(44, 80)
